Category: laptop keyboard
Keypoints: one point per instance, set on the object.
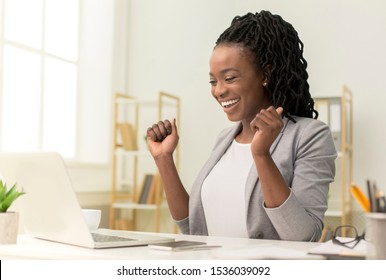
(108, 238)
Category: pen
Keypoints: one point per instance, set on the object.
(371, 195)
(360, 197)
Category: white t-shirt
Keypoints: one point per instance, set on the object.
(223, 192)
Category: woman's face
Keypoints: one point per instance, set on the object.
(236, 84)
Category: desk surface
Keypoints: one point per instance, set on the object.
(231, 248)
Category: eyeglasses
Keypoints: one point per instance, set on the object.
(348, 243)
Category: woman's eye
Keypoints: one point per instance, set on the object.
(229, 79)
(212, 82)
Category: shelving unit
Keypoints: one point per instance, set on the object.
(337, 113)
(132, 161)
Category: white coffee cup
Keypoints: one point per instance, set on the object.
(92, 217)
(375, 235)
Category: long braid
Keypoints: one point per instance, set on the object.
(275, 43)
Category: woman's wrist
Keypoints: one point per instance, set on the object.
(260, 159)
(163, 158)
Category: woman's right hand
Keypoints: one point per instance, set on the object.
(162, 138)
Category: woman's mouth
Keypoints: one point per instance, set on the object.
(227, 104)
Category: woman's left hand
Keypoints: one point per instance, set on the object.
(267, 125)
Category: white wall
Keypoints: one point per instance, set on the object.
(170, 42)
(95, 81)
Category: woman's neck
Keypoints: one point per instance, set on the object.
(245, 135)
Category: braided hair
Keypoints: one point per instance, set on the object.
(275, 45)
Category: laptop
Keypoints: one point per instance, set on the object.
(50, 209)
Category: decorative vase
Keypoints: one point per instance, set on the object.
(9, 224)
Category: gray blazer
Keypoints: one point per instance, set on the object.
(305, 154)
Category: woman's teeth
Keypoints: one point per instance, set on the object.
(229, 102)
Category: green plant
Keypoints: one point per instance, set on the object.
(8, 196)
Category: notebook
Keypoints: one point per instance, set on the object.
(50, 209)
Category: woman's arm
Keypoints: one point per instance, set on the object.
(305, 157)
(267, 126)
(162, 140)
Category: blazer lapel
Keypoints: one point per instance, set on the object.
(253, 176)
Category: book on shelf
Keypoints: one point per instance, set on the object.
(147, 181)
(129, 141)
(154, 191)
(150, 190)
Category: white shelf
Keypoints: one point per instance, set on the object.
(144, 102)
(122, 152)
(131, 205)
(333, 213)
(136, 101)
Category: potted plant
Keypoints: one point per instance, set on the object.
(9, 220)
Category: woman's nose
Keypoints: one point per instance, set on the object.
(218, 90)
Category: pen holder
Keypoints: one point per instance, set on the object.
(375, 235)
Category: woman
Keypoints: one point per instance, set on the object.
(268, 175)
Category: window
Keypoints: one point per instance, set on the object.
(39, 75)
(60, 62)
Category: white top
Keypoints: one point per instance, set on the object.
(223, 192)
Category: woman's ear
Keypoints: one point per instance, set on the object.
(267, 74)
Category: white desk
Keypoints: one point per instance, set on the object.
(232, 248)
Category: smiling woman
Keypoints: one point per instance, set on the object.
(268, 175)
(235, 83)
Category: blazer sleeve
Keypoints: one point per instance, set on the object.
(313, 156)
